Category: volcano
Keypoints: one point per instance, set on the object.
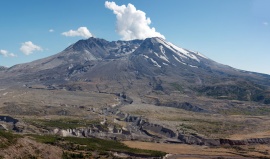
(138, 68)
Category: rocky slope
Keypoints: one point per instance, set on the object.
(2, 68)
(139, 67)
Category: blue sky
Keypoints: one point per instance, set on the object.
(232, 32)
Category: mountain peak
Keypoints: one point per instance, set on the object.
(154, 60)
(165, 53)
(89, 43)
(97, 40)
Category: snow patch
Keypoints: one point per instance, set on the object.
(198, 53)
(159, 40)
(179, 51)
(193, 66)
(163, 52)
(129, 52)
(162, 49)
(164, 58)
(146, 56)
(179, 60)
(178, 48)
(165, 64)
(155, 63)
(186, 53)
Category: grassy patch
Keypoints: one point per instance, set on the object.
(177, 87)
(77, 145)
(70, 155)
(7, 138)
(62, 123)
(251, 151)
(246, 111)
(47, 139)
(210, 128)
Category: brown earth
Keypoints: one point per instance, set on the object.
(27, 148)
(203, 152)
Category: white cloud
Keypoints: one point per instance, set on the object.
(4, 53)
(12, 55)
(28, 48)
(265, 23)
(51, 30)
(7, 54)
(132, 23)
(81, 31)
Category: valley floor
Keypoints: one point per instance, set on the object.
(72, 124)
(184, 151)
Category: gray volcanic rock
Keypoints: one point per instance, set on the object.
(2, 68)
(81, 52)
(139, 67)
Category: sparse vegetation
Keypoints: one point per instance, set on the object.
(77, 145)
(209, 128)
(177, 87)
(246, 111)
(70, 155)
(237, 90)
(7, 138)
(62, 123)
(47, 139)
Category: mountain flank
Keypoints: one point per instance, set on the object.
(139, 67)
